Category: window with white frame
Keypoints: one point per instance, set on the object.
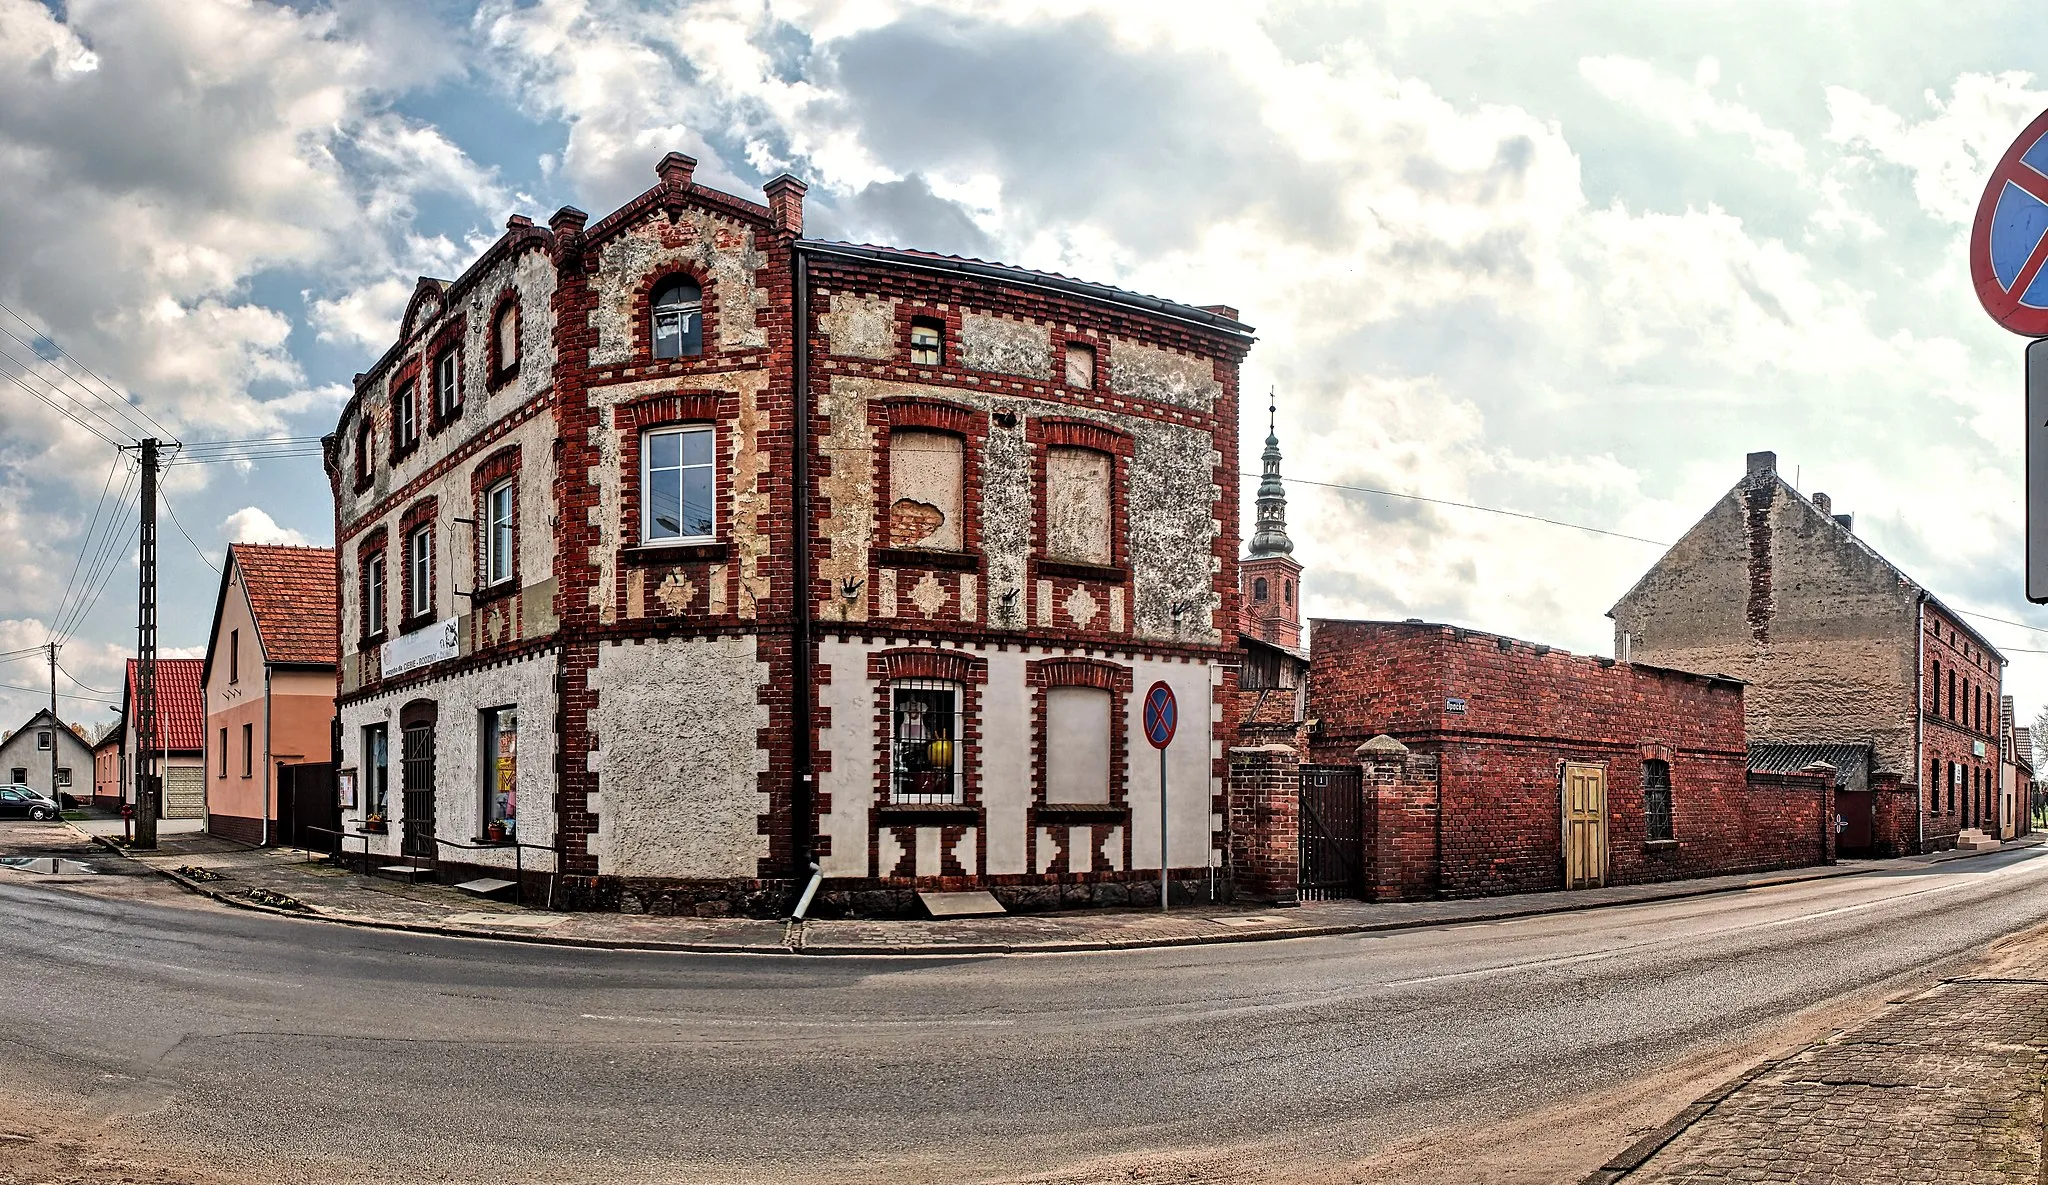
(419, 556)
(677, 312)
(43, 739)
(376, 769)
(447, 388)
(63, 775)
(405, 417)
(498, 541)
(677, 485)
(373, 593)
(924, 741)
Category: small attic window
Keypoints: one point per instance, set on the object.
(927, 342)
(677, 312)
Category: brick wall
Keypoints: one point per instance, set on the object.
(1265, 820)
(1473, 805)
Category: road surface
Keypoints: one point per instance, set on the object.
(257, 1047)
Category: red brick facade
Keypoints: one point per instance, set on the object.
(1472, 806)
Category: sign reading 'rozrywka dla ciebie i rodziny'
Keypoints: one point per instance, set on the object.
(2008, 251)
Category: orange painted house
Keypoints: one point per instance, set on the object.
(270, 680)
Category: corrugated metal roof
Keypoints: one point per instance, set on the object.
(180, 703)
(1851, 760)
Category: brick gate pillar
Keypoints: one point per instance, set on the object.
(1401, 790)
(1265, 821)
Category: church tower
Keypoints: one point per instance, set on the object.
(1269, 575)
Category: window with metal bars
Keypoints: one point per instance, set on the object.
(1656, 799)
(924, 741)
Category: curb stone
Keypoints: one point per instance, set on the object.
(795, 941)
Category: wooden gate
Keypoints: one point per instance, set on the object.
(1585, 825)
(1332, 827)
(305, 799)
(417, 767)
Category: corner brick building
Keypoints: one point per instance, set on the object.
(696, 551)
(1492, 765)
(1836, 646)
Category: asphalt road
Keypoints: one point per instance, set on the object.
(366, 1055)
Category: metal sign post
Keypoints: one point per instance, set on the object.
(1162, 717)
(2008, 256)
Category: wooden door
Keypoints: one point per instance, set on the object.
(1585, 825)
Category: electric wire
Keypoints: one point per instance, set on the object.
(196, 550)
(91, 699)
(62, 410)
(78, 681)
(99, 557)
(85, 613)
(101, 568)
(85, 543)
(127, 407)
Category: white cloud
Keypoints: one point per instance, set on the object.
(251, 524)
(1690, 107)
(1949, 153)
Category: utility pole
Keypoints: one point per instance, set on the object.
(56, 794)
(145, 661)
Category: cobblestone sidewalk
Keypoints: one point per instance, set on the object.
(287, 882)
(1944, 1087)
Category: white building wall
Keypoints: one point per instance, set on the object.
(678, 759)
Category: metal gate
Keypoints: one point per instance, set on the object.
(417, 756)
(1332, 825)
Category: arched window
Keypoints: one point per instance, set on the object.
(1288, 585)
(1259, 589)
(677, 311)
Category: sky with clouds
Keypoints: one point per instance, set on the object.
(1571, 258)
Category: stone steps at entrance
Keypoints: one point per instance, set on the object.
(1971, 839)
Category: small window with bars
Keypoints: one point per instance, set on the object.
(1656, 800)
(924, 741)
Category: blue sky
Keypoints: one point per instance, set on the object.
(1569, 258)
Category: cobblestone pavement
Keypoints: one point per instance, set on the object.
(1946, 1086)
(291, 881)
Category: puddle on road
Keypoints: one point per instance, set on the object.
(46, 864)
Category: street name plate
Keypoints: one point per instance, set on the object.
(2037, 471)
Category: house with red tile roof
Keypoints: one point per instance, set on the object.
(269, 678)
(180, 753)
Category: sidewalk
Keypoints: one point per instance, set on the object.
(285, 882)
(1945, 1086)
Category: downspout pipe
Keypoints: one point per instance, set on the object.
(1920, 721)
(803, 774)
(266, 755)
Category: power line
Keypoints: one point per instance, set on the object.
(162, 497)
(129, 408)
(38, 370)
(91, 699)
(85, 542)
(80, 682)
(101, 565)
(62, 410)
(1536, 518)
(85, 613)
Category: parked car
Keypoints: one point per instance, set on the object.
(22, 802)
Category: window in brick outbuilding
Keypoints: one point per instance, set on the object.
(1656, 800)
(927, 341)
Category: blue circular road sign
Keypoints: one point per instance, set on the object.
(1162, 715)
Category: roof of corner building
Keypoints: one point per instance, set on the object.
(1539, 649)
(180, 703)
(292, 595)
(1006, 273)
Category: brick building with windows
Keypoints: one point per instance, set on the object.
(1837, 646)
(696, 551)
(1272, 682)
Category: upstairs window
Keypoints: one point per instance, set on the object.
(1079, 522)
(927, 471)
(498, 533)
(1288, 586)
(677, 486)
(234, 656)
(677, 310)
(927, 341)
(366, 450)
(43, 740)
(508, 338)
(447, 387)
(373, 593)
(1656, 800)
(405, 417)
(1081, 366)
(419, 557)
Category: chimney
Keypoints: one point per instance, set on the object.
(568, 218)
(1822, 503)
(1221, 310)
(675, 169)
(1848, 522)
(1763, 465)
(786, 203)
(518, 222)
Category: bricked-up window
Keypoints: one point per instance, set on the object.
(419, 558)
(366, 451)
(376, 769)
(927, 480)
(1079, 521)
(1955, 782)
(924, 740)
(223, 751)
(447, 386)
(677, 486)
(1934, 692)
(1081, 365)
(1077, 752)
(1656, 800)
(507, 329)
(677, 312)
(498, 541)
(373, 593)
(1951, 695)
(927, 341)
(405, 418)
(500, 733)
(248, 750)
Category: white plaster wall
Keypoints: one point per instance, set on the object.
(527, 684)
(1191, 785)
(20, 750)
(849, 702)
(677, 758)
(1006, 739)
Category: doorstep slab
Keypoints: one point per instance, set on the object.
(524, 921)
(979, 903)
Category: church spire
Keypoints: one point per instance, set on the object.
(1269, 536)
